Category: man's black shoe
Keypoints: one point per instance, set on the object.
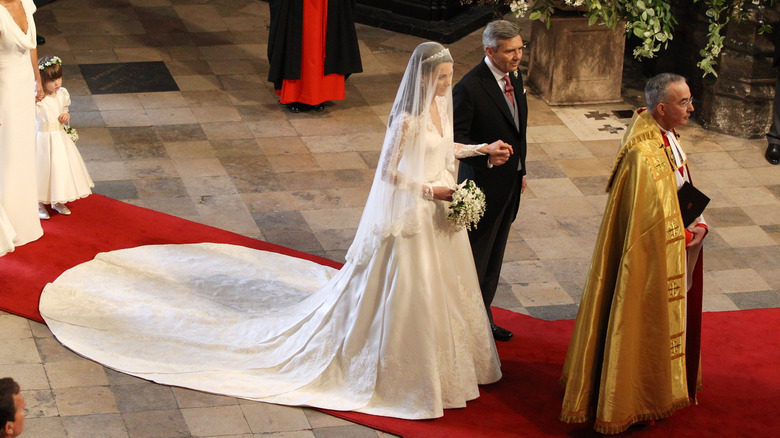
(501, 334)
(773, 153)
(294, 107)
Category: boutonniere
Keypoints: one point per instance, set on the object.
(515, 73)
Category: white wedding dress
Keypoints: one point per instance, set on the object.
(402, 332)
(62, 174)
(18, 194)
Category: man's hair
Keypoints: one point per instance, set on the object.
(497, 32)
(8, 388)
(657, 88)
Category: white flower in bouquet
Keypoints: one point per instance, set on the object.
(72, 133)
(468, 205)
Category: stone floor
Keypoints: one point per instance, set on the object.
(223, 152)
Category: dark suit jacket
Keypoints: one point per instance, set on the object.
(482, 116)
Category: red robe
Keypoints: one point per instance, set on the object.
(314, 87)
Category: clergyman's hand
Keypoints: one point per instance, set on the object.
(698, 236)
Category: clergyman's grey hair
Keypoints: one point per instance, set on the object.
(657, 89)
(497, 32)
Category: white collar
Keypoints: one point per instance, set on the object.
(498, 74)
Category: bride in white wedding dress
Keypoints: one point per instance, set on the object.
(399, 331)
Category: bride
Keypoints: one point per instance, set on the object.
(399, 331)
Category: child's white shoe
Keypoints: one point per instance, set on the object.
(42, 212)
(61, 209)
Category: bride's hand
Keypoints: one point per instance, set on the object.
(499, 152)
(443, 193)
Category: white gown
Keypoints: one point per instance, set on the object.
(404, 334)
(62, 174)
(18, 193)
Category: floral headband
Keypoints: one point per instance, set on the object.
(51, 61)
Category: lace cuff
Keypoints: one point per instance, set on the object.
(468, 150)
(427, 192)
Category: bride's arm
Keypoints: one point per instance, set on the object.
(391, 174)
(468, 150)
(499, 151)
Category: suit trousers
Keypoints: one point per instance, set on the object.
(488, 243)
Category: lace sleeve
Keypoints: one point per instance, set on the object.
(468, 150)
(390, 164)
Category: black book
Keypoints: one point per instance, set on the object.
(692, 202)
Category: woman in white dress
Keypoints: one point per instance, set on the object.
(400, 330)
(18, 78)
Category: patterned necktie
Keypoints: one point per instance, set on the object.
(509, 90)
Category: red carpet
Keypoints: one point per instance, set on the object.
(740, 354)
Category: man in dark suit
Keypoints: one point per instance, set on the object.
(490, 105)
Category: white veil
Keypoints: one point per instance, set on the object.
(397, 190)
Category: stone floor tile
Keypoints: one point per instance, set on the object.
(196, 167)
(122, 118)
(12, 327)
(265, 418)
(155, 424)
(541, 294)
(30, 376)
(46, 427)
(188, 398)
(51, 350)
(216, 420)
(170, 116)
(737, 280)
(318, 419)
(766, 299)
(553, 313)
(113, 102)
(40, 330)
(717, 302)
(75, 373)
(19, 350)
(85, 400)
(40, 403)
(554, 188)
(584, 167)
(745, 236)
(144, 396)
(550, 133)
(164, 99)
(353, 431)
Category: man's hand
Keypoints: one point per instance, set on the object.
(499, 152)
(523, 185)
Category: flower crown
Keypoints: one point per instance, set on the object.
(48, 63)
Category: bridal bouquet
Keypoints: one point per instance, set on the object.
(468, 205)
(72, 133)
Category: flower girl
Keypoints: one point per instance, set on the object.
(62, 174)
